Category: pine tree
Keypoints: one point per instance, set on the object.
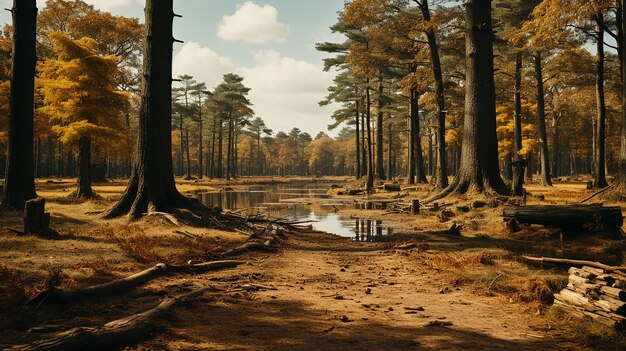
(479, 170)
(151, 186)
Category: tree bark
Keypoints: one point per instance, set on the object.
(600, 159)
(620, 179)
(479, 170)
(440, 106)
(380, 166)
(152, 186)
(357, 156)
(83, 182)
(517, 99)
(418, 157)
(19, 185)
(370, 159)
(546, 177)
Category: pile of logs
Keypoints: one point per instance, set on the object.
(596, 293)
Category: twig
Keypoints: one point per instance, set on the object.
(493, 281)
(595, 194)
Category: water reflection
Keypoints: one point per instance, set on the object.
(291, 203)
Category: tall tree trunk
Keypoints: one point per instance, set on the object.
(229, 149)
(181, 150)
(440, 106)
(363, 147)
(620, 179)
(83, 189)
(546, 177)
(151, 186)
(380, 166)
(19, 179)
(220, 151)
(389, 153)
(212, 161)
(600, 160)
(187, 156)
(517, 115)
(480, 169)
(60, 159)
(555, 147)
(417, 161)
(357, 156)
(368, 118)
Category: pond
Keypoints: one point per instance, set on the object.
(298, 201)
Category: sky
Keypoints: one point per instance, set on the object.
(270, 43)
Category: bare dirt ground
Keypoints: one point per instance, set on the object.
(319, 292)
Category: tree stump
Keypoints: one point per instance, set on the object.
(36, 220)
(415, 206)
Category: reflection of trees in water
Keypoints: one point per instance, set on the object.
(269, 196)
(370, 230)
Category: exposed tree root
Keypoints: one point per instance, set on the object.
(459, 186)
(125, 284)
(117, 333)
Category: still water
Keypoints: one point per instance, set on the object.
(298, 202)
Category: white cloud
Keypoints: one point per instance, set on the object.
(254, 24)
(286, 92)
(204, 64)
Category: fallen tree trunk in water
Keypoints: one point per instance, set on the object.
(114, 334)
(121, 285)
(565, 216)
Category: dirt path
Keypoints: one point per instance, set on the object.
(321, 280)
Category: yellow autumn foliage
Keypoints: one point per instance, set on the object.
(80, 94)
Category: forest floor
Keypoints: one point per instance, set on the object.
(418, 290)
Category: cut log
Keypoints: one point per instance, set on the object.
(125, 284)
(565, 216)
(118, 333)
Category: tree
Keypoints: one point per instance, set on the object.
(619, 185)
(440, 106)
(479, 170)
(19, 183)
(230, 102)
(82, 100)
(151, 186)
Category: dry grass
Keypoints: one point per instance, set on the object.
(491, 272)
(13, 288)
(136, 244)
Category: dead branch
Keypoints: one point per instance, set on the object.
(125, 284)
(116, 333)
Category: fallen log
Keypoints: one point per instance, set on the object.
(117, 333)
(392, 187)
(565, 216)
(118, 286)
